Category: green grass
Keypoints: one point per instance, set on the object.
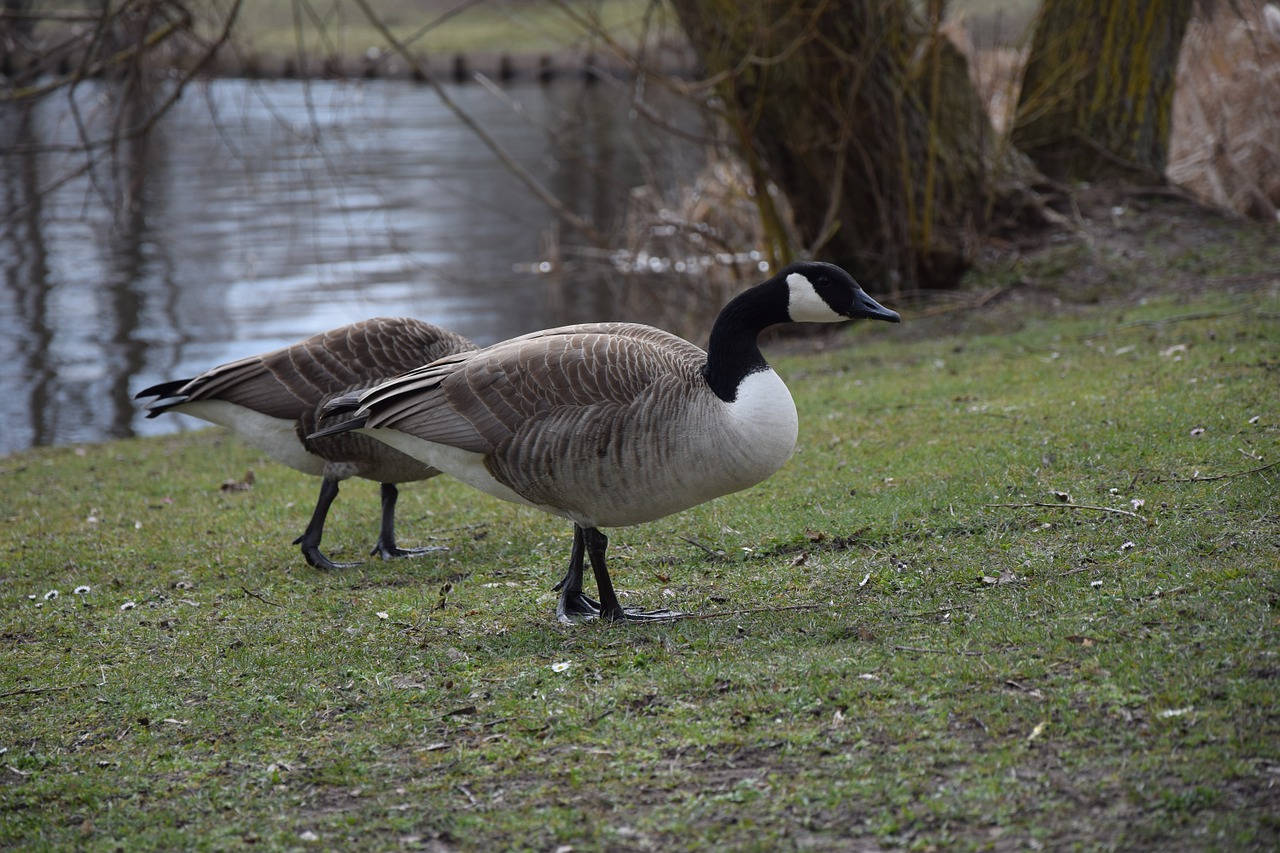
(903, 661)
(277, 26)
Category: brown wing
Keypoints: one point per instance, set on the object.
(292, 382)
(479, 401)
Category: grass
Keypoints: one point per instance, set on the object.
(270, 26)
(905, 639)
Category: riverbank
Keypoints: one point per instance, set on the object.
(274, 40)
(1016, 589)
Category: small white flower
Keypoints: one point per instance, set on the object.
(82, 590)
(1138, 503)
(1197, 431)
(560, 667)
(51, 595)
(1095, 584)
(382, 614)
(1128, 546)
(128, 605)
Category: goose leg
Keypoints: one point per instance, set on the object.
(310, 538)
(596, 544)
(573, 604)
(386, 547)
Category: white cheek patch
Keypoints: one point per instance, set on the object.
(805, 305)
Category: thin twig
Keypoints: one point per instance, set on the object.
(695, 543)
(1185, 318)
(1198, 479)
(937, 651)
(29, 691)
(1160, 593)
(720, 614)
(941, 611)
(253, 594)
(1142, 518)
(581, 225)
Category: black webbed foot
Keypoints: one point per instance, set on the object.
(316, 558)
(576, 607)
(393, 552)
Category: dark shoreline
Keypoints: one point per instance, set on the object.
(377, 64)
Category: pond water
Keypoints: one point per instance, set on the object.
(257, 213)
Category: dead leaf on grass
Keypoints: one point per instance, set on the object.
(1081, 640)
(243, 485)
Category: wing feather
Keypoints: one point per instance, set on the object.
(573, 378)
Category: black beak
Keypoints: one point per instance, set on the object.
(865, 306)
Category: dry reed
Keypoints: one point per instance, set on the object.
(1226, 126)
(1225, 143)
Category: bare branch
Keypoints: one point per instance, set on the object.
(535, 186)
(1196, 478)
(1042, 505)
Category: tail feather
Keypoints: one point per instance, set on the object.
(345, 426)
(341, 403)
(167, 396)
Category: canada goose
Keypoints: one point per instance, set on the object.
(272, 401)
(611, 424)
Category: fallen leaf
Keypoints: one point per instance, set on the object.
(232, 485)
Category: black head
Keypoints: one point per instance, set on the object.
(823, 293)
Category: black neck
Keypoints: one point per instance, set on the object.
(733, 352)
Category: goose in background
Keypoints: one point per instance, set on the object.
(272, 402)
(610, 424)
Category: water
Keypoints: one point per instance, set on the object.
(257, 213)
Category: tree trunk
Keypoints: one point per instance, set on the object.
(1097, 94)
(864, 117)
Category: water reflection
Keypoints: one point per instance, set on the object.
(260, 212)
